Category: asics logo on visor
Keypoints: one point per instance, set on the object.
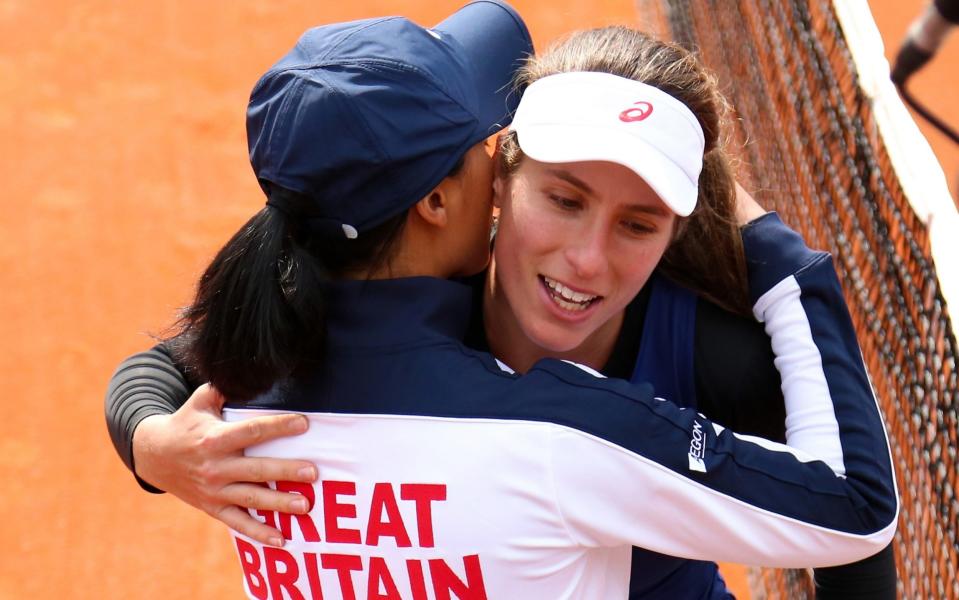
(643, 110)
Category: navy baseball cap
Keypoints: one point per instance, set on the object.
(364, 118)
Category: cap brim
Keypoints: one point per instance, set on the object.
(496, 42)
(558, 143)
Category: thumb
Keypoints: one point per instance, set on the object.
(207, 398)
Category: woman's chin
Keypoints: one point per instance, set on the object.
(554, 340)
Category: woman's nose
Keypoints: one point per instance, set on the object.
(588, 254)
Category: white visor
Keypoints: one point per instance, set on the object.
(574, 117)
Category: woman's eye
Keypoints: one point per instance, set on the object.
(564, 203)
(638, 228)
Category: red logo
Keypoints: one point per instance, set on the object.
(636, 114)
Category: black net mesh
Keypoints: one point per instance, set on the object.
(809, 148)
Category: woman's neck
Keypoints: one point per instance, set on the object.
(509, 343)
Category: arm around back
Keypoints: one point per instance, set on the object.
(144, 384)
(179, 443)
(687, 487)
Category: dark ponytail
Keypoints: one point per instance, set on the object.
(259, 314)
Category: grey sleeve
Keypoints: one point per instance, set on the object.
(145, 384)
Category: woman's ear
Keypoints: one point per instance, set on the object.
(499, 175)
(432, 208)
(500, 188)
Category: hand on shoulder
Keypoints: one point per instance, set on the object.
(196, 456)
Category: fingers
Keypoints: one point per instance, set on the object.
(239, 520)
(267, 469)
(258, 497)
(240, 435)
(747, 208)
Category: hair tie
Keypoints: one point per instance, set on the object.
(283, 207)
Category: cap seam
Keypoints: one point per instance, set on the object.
(282, 110)
(370, 62)
(438, 84)
(358, 30)
(303, 65)
(273, 71)
(367, 129)
(382, 63)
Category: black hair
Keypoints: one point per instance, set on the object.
(259, 313)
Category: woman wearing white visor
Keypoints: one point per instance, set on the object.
(597, 180)
(574, 299)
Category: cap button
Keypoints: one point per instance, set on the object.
(350, 231)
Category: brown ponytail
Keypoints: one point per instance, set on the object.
(707, 253)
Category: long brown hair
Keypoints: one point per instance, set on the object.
(706, 254)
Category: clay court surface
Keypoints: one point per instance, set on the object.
(123, 168)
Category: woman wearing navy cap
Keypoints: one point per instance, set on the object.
(435, 238)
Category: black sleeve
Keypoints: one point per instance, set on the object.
(872, 578)
(145, 384)
(949, 9)
(738, 386)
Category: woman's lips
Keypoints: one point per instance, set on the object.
(566, 302)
